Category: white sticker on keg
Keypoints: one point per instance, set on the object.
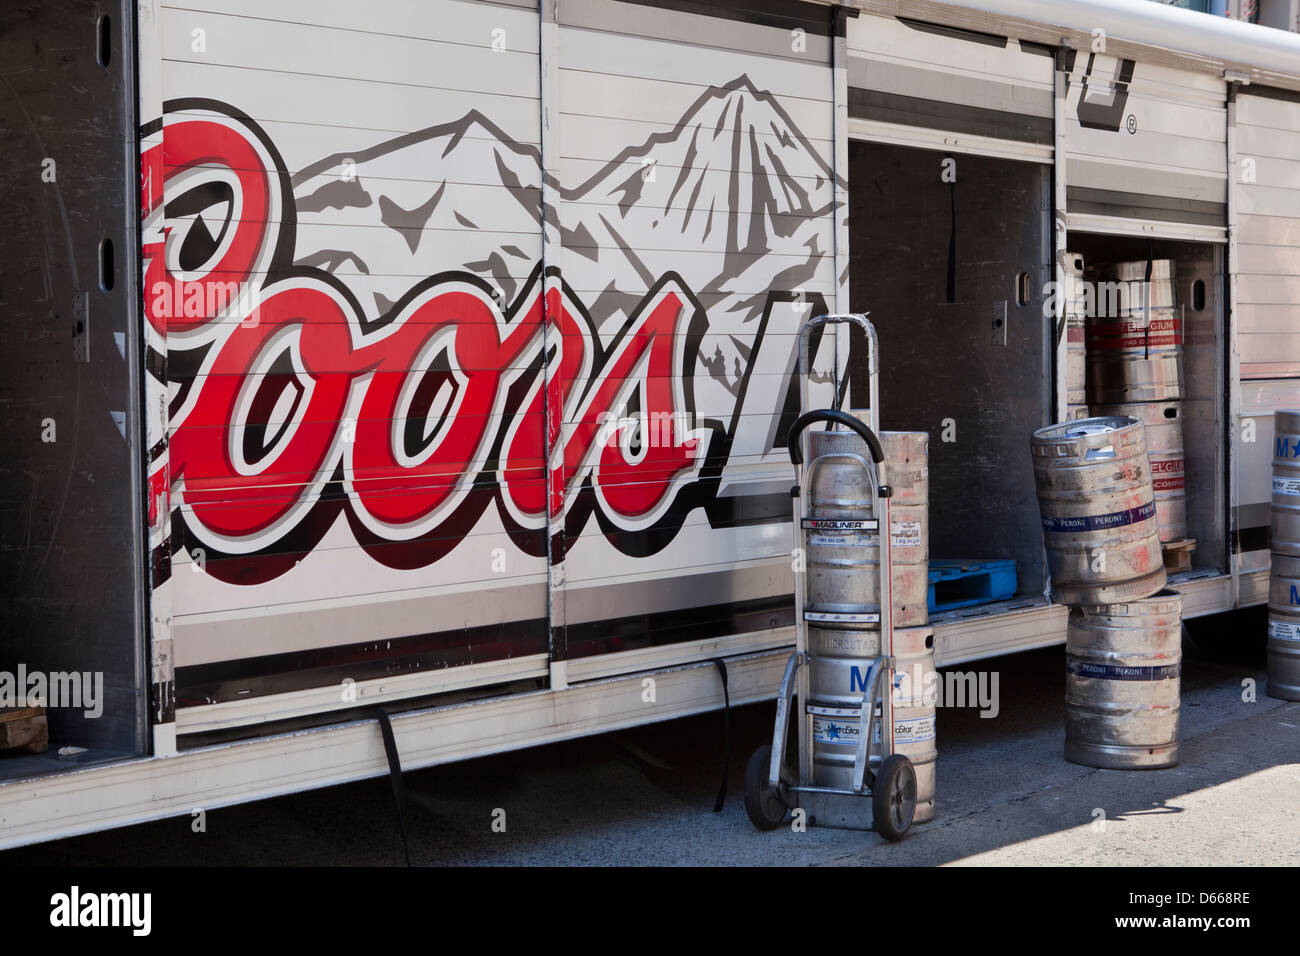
(842, 540)
(909, 730)
(823, 711)
(1286, 486)
(840, 617)
(905, 534)
(835, 730)
(841, 532)
(1284, 630)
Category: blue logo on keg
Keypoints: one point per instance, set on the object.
(1116, 519)
(1295, 595)
(1122, 671)
(1286, 449)
(858, 677)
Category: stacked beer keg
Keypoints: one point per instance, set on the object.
(1134, 368)
(907, 468)
(1284, 574)
(844, 577)
(1123, 640)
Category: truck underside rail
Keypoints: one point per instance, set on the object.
(137, 791)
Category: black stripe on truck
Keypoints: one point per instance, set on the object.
(955, 33)
(1270, 93)
(326, 666)
(1110, 202)
(786, 14)
(1251, 539)
(956, 117)
(330, 666)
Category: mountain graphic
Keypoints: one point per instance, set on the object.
(421, 204)
(733, 180)
(733, 198)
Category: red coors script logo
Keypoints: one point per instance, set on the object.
(292, 406)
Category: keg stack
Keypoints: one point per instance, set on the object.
(1123, 640)
(844, 578)
(864, 655)
(1134, 369)
(907, 467)
(1284, 575)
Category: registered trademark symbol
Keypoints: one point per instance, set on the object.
(1132, 123)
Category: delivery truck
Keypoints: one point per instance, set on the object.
(433, 359)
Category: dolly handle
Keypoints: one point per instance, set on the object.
(835, 417)
(860, 321)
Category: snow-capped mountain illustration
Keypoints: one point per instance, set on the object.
(422, 204)
(732, 198)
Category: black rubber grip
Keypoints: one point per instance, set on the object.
(839, 418)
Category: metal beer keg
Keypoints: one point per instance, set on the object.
(1123, 676)
(1163, 422)
(837, 682)
(1098, 511)
(1134, 338)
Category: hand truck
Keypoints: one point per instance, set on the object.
(771, 787)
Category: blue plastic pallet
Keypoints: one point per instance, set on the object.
(958, 583)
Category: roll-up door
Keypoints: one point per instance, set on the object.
(950, 224)
(378, 168)
(1266, 203)
(1265, 266)
(919, 84)
(1145, 150)
(695, 231)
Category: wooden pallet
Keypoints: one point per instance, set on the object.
(1178, 554)
(24, 728)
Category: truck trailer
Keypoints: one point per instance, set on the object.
(429, 362)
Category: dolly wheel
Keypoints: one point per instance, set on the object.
(893, 798)
(763, 802)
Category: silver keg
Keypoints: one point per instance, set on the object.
(837, 682)
(1284, 628)
(1098, 511)
(840, 536)
(1123, 675)
(916, 692)
(1163, 422)
(1284, 531)
(1132, 276)
(907, 466)
(1076, 361)
(1134, 336)
(843, 561)
(841, 608)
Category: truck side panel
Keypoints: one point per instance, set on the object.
(695, 155)
(335, 519)
(442, 414)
